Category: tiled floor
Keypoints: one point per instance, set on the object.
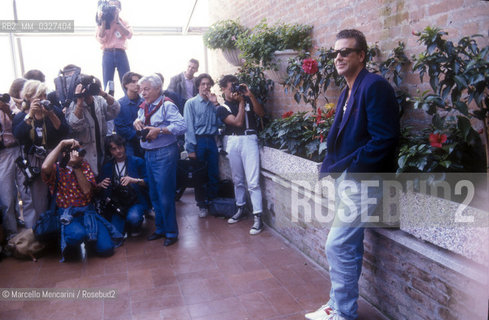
(215, 271)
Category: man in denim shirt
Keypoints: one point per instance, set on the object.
(200, 139)
(160, 118)
(129, 112)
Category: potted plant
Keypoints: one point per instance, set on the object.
(273, 46)
(223, 35)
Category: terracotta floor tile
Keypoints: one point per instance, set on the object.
(216, 271)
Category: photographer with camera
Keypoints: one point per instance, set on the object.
(125, 196)
(10, 175)
(74, 182)
(239, 114)
(38, 128)
(161, 122)
(88, 116)
(112, 33)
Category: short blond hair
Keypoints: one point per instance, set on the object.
(32, 89)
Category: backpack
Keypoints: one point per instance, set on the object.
(25, 245)
(65, 84)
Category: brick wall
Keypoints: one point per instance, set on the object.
(385, 22)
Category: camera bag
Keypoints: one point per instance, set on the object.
(191, 173)
(223, 207)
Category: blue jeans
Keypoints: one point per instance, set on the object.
(344, 246)
(207, 151)
(161, 168)
(134, 218)
(76, 233)
(112, 59)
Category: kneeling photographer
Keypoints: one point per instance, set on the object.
(38, 128)
(88, 117)
(72, 181)
(125, 196)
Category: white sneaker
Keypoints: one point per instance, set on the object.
(203, 212)
(257, 225)
(322, 313)
(240, 213)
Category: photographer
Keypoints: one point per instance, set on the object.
(88, 117)
(38, 128)
(112, 33)
(125, 195)
(239, 114)
(74, 182)
(10, 175)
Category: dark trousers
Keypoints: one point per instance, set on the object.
(207, 151)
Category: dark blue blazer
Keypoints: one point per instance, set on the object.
(135, 168)
(365, 138)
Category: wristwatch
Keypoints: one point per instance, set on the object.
(27, 117)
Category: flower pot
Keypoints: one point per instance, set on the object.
(281, 60)
(232, 56)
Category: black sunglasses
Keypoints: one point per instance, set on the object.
(344, 52)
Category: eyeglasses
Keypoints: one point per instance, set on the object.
(344, 52)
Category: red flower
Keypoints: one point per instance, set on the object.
(287, 114)
(436, 139)
(318, 116)
(310, 66)
(330, 113)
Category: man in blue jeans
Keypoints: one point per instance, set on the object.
(361, 143)
(162, 122)
(112, 33)
(74, 181)
(200, 115)
(123, 179)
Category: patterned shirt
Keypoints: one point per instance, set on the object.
(69, 193)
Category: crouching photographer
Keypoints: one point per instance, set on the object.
(71, 181)
(125, 196)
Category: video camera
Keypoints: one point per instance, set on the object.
(238, 88)
(65, 84)
(90, 87)
(66, 157)
(108, 12)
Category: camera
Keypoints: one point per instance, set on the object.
(141, 134)
(238, 88)
(66, 157)
(90, 85)
(108, 13)
(38, 151)
(46, 104)
(5, 98)
(29, 172)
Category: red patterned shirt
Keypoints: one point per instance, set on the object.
(69, 193)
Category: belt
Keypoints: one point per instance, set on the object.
(204, 136)
(248, 132)
(113, 49)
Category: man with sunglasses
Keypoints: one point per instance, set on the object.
(363, 140)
